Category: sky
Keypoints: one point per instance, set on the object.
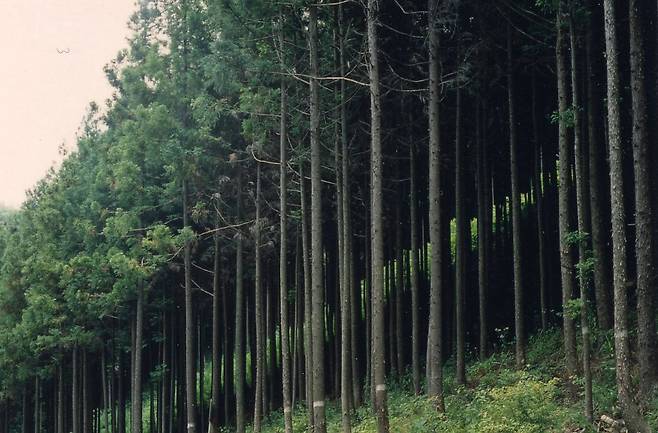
(44, 93)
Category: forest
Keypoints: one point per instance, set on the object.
(347, 216)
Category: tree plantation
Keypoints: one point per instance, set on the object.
(327, 216)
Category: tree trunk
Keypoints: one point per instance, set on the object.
(414, 268)
(308, 297)
(316, 234)
(213, 420)
(239, 321)
(190, 374)
(258, 319)
(630, 410)
(435, 335)
(644, 240)
(377, 233)
(519, 329)
(539, 207)
(484, 228)
(564, 175)
(460, 246)
(283, 253)
(137, 372)
(597, 164)
(582, 200)
(344, 257)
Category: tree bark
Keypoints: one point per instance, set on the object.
(597, 167)
(582, 200)
(484, 229)
(645, 249)
(631, 412)
(564, 175)
(317, 281)
(283, 253)
(376, 227)
(239, 321)
(435, 331)
(519, 328)
(259, 407)
(190, 374)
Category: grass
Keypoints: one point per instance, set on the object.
(497, 399)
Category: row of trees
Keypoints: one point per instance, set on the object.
(280, 192)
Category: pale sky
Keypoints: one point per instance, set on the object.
(44, 94)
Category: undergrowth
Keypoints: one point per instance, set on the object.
(497, 399)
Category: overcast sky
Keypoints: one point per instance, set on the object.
(44, 94)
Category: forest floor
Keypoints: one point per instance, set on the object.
(497, 398)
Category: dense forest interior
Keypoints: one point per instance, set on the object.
(290, 213)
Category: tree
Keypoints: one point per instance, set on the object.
(564, 179)
(376, 225)
(435, 375)
(619, 254)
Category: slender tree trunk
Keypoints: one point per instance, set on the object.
(316, 235)
(344, 257)
(258, 319)
(136, 417)
(377, 217)
(86, 404)
(308, 297)
(631, 412)
(582, 200)
(283, 253)
(539, 207)
(519, 329)
(645, 249)
(597, 163)
(414, 268)
(484, 229)
(460, 247)
(213, 420)
(121, 409)
(190, 374)
(435, 335)
(239, 322)
(60, 399)
(564, 175)
(37, 405)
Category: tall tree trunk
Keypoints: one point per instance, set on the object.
(484, 229)
(344, 257)
(86, 404)
(121, 409)
(564, 175)
(106, 423)
(519, 329)
(283, 253)
(37, 405)
(414, 268)
(435, 328)
(597, 164)
(460, 246)
(213, 420)
(377, 217)
(258, 319)
(316, 234)
(60, 399)
(190, 374)
(645, 249)
(308, 297)
(136, 417)
(539, 207)
(582, 200)
(630, 410)
(239, 321)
